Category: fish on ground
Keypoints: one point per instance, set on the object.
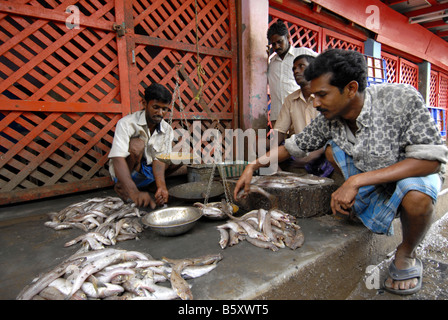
(113, 274)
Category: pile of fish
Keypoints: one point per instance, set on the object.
(270, 229)
(105, 220)
(120, 275)
(215, 210)
(283, 180)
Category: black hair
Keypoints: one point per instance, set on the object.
(157, 92)
(278, 27)
(345, 65)
(307, 57)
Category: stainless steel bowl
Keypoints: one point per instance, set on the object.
(172, 221)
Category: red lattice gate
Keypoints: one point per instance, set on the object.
(65, 85)
(443, 91)
(304, 34)
(400, 70)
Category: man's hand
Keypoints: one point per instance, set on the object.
(344, 197)
(161, 196)
(244, 182)
(142, 199)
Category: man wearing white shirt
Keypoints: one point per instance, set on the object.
(280, 78)
(137, 137)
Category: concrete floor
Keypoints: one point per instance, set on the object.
(330, 265)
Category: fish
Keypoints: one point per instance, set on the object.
(296, 241)
(156, 292)
(256, 189)
(224, 237)
(192, 272)
(252, 233)
(262, 244)
(232, 225)
(216, 210)
(119, 274)
(179, 284)
(272, 229)
(107, 276)
(51, 293)
(62, 285)
(198, 261)
(107, 290)
(44, 280)
(92, 268)
(283, 180)
(140, 287)
(234, 238)
(92, 235)
(109, 217)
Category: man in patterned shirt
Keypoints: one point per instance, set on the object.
(386, 145)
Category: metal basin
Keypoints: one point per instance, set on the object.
(196, 191)
(176, 157)
(172, 221)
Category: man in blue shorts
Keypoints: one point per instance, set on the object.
(138, 137)
(388, 148)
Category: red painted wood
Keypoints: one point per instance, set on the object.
(62, 91)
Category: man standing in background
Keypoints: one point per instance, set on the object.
(280, 78)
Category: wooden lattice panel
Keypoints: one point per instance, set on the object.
(408, 73)
(59, 97)
(305, 34)
(42, 149)
(162, 68)
(333, 40)
(302, 33)
(434, 89)
(443, 91)
(392, 66)
(46, 61)
(63, 89)
(175, 20)
(167, 52)
(201, 136)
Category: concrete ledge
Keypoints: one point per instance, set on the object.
(339, 268)
(330, 264)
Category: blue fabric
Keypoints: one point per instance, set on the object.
(377, 206)
(143, 178)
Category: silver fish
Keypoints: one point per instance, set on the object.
(234, 238)
(119, 274)
(179, 285)
(296, 241)
(51, 293)
(107, 276)
(251, 232)
(91, 235)
(262, 244)
(224, 237)
(192, 272)
(63, 285)
(95, 266)
(43, 281)
(234, 226)
(101, 292)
